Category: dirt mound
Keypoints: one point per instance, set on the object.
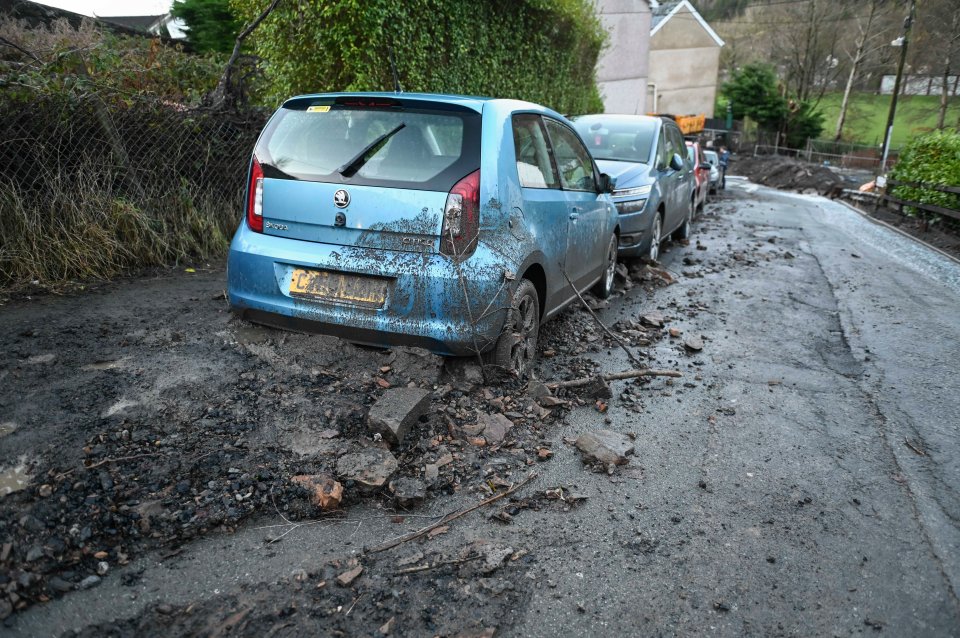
(788, 173)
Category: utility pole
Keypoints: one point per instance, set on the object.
(905, 38)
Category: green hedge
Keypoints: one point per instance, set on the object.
(932, 159)
(544, 51)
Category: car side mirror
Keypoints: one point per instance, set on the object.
(676, 162)
(607, 183)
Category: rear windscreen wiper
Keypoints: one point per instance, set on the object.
(371, 149)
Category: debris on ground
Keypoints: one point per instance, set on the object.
(693, 343)
(325, 492)
(370, 468)
(395, 411)
(605, 448)
(788, 173)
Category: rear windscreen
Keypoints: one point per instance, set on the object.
(418, 148)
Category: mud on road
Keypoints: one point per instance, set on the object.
(143, 415)
(163, 448)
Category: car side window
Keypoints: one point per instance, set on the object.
(663, 157)
(678, 145)
(573, 158)
(534, 164)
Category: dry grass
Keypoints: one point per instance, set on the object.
(85, 229)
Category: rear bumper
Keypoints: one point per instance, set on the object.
(428, 304)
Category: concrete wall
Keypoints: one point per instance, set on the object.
(684, 66)
(623, 65)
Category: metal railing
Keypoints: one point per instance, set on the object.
(863, 159)
(952, 210)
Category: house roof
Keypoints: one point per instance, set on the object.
(35, 14)
(137, 23)
(663, 11)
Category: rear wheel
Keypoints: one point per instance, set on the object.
(604, 287)
(516, 349)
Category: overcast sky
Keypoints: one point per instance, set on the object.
(112, 7)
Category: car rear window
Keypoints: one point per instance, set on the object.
(313, 140)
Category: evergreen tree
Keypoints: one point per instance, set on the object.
(211, 25)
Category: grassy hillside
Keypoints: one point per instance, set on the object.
(867, 116)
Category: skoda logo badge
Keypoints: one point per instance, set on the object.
(340, 220)
(341, 198)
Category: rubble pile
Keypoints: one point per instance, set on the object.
(788, 173)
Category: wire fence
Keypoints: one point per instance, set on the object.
(97, 184)
(836, 154)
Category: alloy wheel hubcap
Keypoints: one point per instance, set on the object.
(611, 265)
(655, 240)
(524, 334)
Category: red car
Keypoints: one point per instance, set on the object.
(701, 171)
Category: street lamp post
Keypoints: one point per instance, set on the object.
(903, 41)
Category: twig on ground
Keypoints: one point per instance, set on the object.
(359, 596)
(121, 458)
(615, 376)
(633, 358)
(442, 563)
(914, 448)
(446, 519)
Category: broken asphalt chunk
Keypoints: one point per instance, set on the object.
(408, 492)
(370, 468)
(395, 411)
(693, 343)
(605, 447)
(654, 319)
(349, 576)
(495, 426)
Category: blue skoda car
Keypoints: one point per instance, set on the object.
(452, 223)
(656, 186)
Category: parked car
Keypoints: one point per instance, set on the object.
(714, 161)
(452, 223)
(702, 174)
(654, 179)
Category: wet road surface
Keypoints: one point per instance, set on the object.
(801, 479)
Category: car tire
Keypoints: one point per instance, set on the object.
(651, 251)
(516, 348)
(686, 228)
(604, 287)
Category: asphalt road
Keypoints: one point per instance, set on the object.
(801, 479)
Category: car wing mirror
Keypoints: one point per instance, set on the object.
(607, 183)
(676, 162)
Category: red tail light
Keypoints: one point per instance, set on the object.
(461, 218)
(255, 203)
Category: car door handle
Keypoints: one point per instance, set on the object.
(574, 213)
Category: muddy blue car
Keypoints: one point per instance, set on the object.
(457, 224)
(656, 185)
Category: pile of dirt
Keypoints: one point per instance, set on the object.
(787, 173)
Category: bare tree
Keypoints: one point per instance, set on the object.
(951, 51)
(937, 52)
(221, 95)
(866, 41)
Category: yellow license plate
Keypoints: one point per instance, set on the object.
(369, 292)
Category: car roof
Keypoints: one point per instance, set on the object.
(468, 101)
(621, 117)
